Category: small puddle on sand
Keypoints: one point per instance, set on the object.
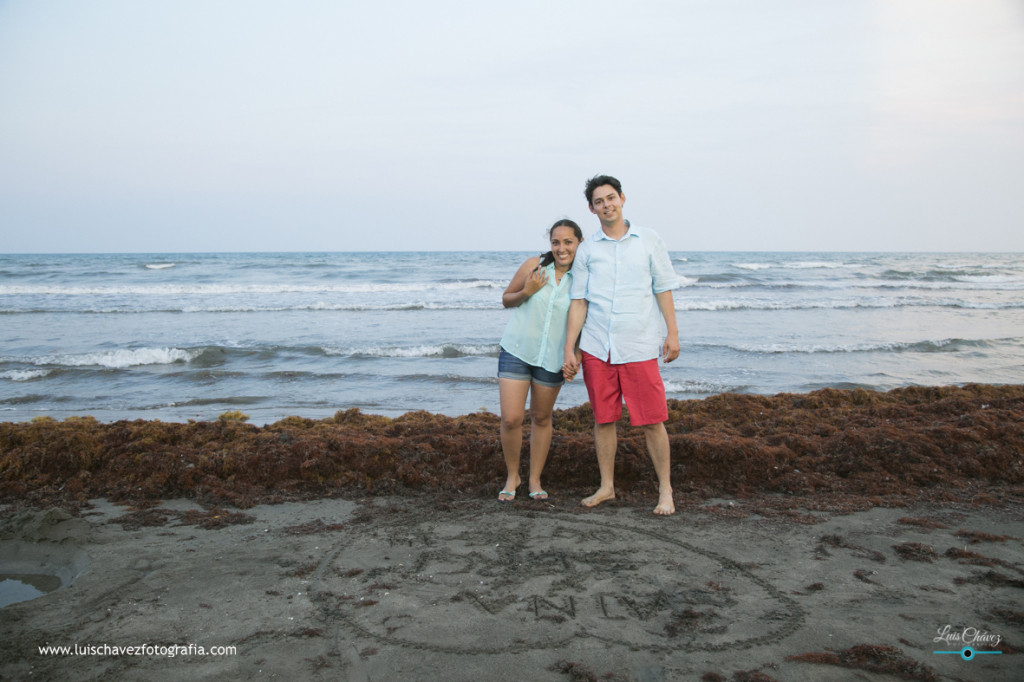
(19, 587)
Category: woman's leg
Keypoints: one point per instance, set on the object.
(512, 393)
(542, 403)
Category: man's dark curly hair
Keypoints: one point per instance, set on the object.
(598, 180)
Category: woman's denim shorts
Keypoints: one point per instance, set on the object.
(511, 367)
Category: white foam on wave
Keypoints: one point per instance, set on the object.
(774, 348)
(120, 359)
(811, 265)
(919, 346)
(751, 266)
(159, 266)
(888, 284)
(206, 289)
(425, 351)
(24, 374)
(694, 387)
(685, 304)
(987, 279)
(979, 284)
(323, 305)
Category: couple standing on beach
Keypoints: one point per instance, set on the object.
(597, 304)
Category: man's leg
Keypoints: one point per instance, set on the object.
(605, 442)
(660, 452)
(605, 393)
(644, 392)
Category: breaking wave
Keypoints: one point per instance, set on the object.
(208, 289)
(942, 345)
(426, 351)
(120, 359)
(24, 374)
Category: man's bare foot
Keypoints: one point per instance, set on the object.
(665, 505)
(597, 498)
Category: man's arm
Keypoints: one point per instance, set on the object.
(577, 315)
(668, 311)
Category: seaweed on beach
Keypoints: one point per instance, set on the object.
(208, 519)
(990, 578)
(915, 551)
(314, 526)
(973, 537)
(862, 575)
(838, 449)
(878, 658)
(687, 621)
(577, 672)
(965, 556)
(921, 523)
(837, 541)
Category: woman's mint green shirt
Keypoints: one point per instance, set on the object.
(536, 332)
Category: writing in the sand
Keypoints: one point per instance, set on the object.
(605, 606)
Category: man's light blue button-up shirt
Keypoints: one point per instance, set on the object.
(619, 280)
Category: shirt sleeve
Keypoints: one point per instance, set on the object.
(580, 273)
(663, 275)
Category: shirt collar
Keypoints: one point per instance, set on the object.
(629, 233)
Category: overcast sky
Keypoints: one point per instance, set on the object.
(780, 125)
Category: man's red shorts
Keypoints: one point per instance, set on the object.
(638, 382)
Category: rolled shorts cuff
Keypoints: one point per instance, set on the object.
(511, 367)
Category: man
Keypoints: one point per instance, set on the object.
(622, 280)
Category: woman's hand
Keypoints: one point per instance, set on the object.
(569, 371)
(535, 281)
(528, 280)
(571, 365)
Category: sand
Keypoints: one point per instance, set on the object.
(434, 587)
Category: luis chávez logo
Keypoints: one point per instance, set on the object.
(967, 637)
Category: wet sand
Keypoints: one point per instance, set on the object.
(461, 588)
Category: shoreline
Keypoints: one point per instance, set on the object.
(266, 416)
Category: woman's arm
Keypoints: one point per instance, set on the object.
(528, 280)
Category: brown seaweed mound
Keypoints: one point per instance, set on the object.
(852, 443)
(873, 658)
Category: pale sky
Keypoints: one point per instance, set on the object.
(773, 125)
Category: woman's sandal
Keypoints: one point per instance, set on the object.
(537, 495)
(510, 496)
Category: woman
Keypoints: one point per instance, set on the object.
(530, 360)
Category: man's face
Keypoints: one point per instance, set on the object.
(606, 204)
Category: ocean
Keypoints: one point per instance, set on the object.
(189, 336)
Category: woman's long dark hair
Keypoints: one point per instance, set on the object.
(548, 258)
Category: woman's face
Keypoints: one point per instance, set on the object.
(563, 245)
